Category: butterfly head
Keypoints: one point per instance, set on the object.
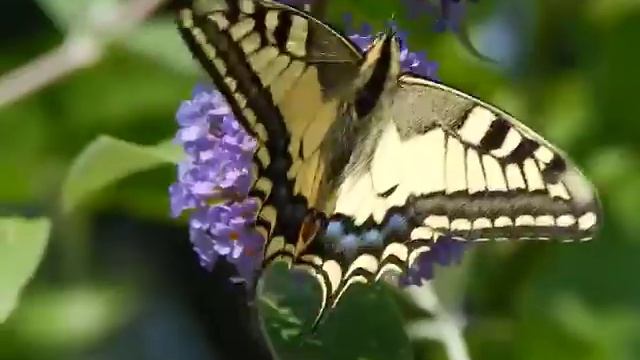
(385, 49)
(379, 71)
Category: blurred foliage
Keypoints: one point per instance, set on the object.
(118, 279)
(22, 243)
(100, 164)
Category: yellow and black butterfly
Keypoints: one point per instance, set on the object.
(351, 146)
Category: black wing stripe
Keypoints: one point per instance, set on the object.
(556, 167)
(281, 32)
(233, 11)
(496, 134)
(525, 149)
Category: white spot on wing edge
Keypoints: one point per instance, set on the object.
(388, 267)
(525, 220)
(460, 225)
(397, 249)
(502, 221)
(437, 222)
(543, 154)
(421, 233)
(413, 256)
(545, 221)
(476, 125)
(587, 221)
(565, 220)
(367, 262)
(481, 223)
(265, 185)
(334, 273)
(220, 65)
(201, 39)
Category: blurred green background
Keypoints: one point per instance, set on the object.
(118, 278)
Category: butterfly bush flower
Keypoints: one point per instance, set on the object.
(214, 179)
(213, 183)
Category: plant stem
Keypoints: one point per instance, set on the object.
(83, 46)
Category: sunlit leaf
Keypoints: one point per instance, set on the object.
(107, 160)
(22, 244)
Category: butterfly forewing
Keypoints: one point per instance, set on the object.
(449, 163)
(284, 74)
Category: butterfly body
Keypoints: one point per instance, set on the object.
(361, 167)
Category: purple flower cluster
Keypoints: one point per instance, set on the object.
(214, 180)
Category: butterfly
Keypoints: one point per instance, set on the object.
(352, 147)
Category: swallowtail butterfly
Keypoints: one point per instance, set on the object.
(351, 146)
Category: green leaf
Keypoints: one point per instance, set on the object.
(22, 244)
(366, 324)
(98, 310)
(107, 160)
(159, 40)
